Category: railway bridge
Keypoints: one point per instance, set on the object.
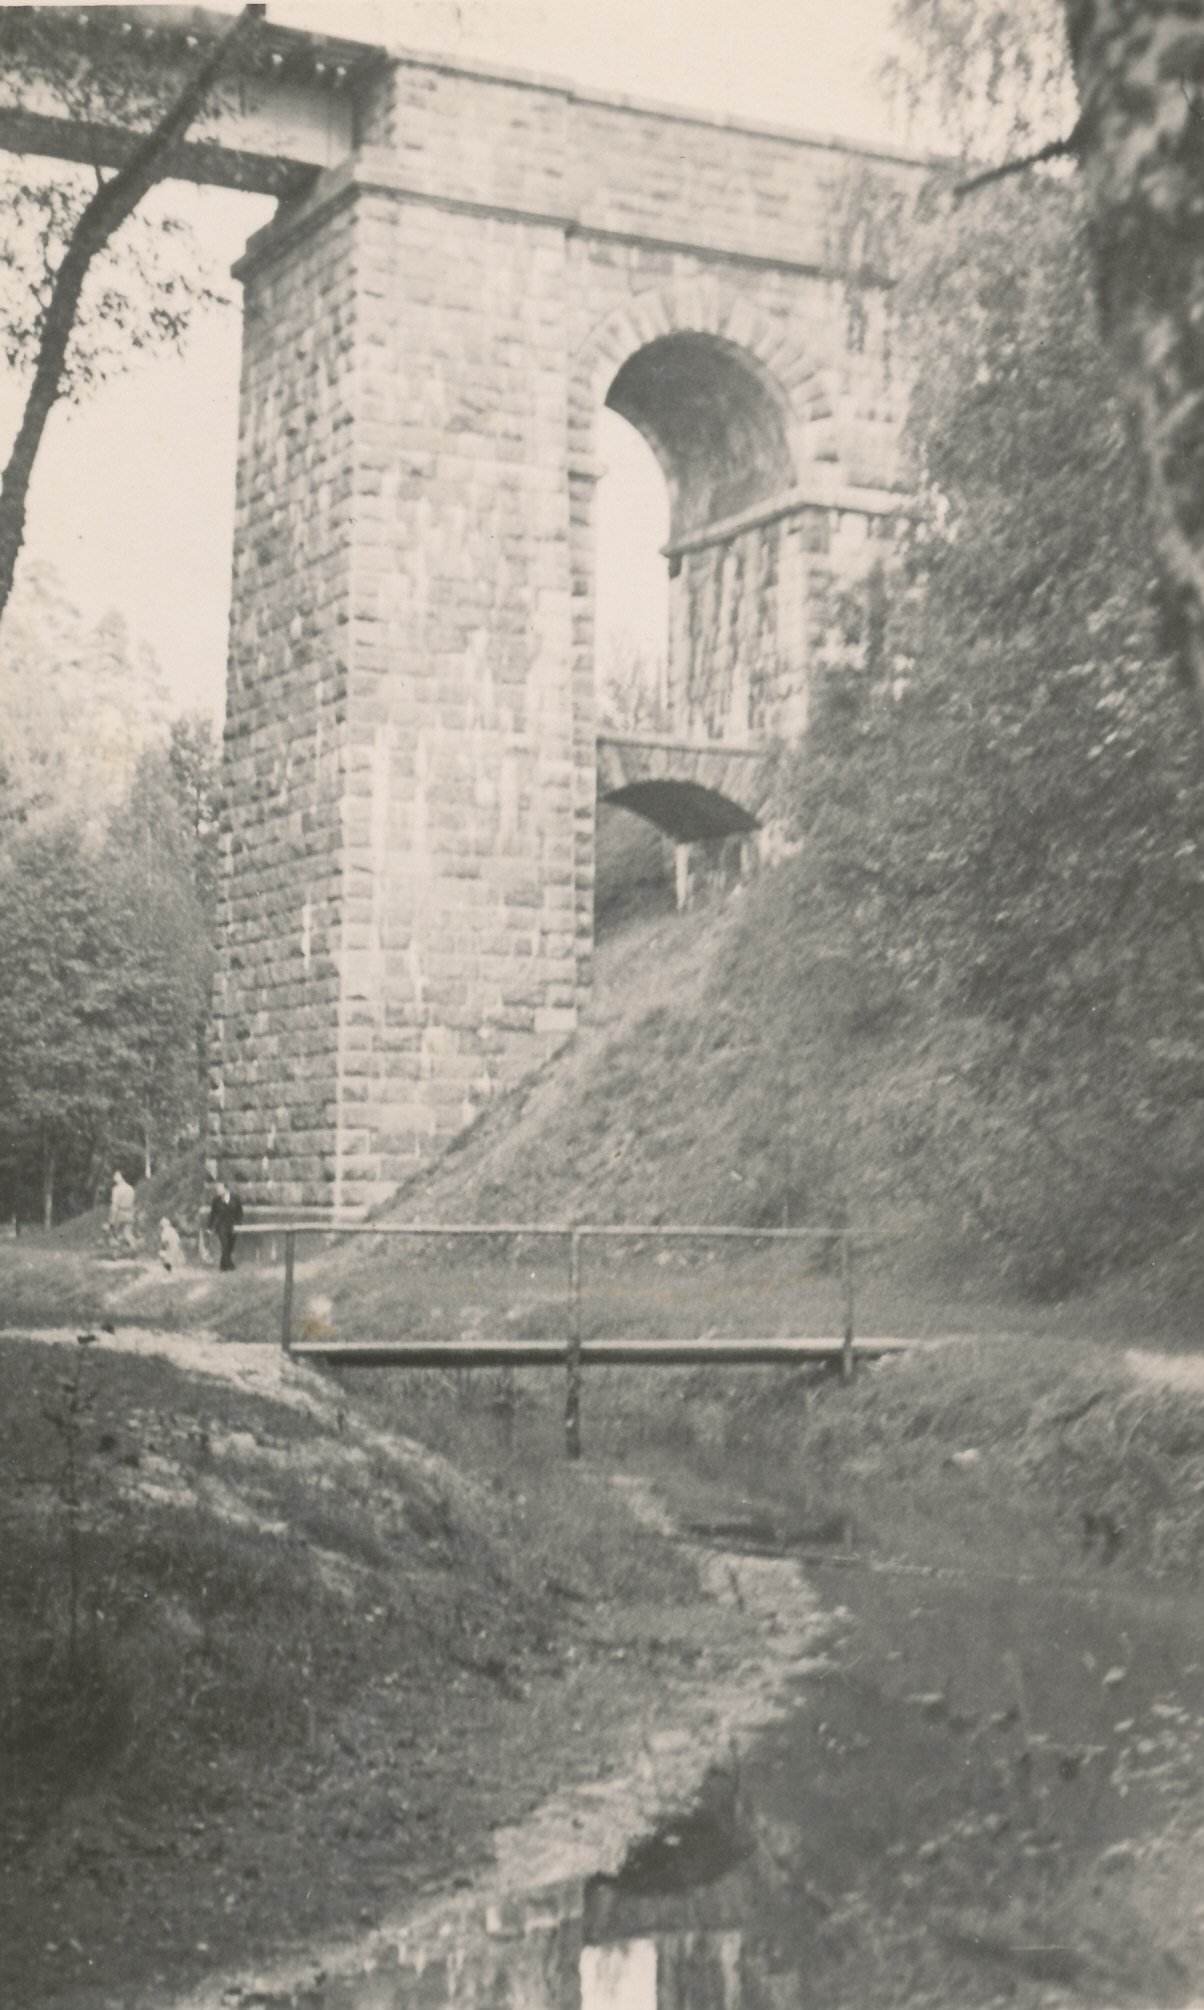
(464, 268)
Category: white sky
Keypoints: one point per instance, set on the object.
(132, 498)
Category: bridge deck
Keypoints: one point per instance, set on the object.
(614, 1353)
(286, 111)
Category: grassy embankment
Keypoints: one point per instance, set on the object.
(746, 1065)
(270, 1667)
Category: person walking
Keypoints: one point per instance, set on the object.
(224, 1217)
(121, 1213)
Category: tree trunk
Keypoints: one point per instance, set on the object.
(1139, 66)
(99, 221)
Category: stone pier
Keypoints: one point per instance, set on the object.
(412, 755)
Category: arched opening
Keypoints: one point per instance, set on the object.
(685, 811)
(693, 432)
(715, 421)
(631, 584)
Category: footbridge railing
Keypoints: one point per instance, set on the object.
(574, 1350)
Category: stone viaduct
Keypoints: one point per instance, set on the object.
(464, 268)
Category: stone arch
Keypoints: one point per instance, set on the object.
(694, 792)
(723, 338)
(715, 425)
(701, 306)
(684, 810)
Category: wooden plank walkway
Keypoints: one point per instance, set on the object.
(609, 1353)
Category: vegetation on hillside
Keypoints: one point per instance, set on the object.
(997, 802)
(1114, 89)
(107, 885)
(266, 1661)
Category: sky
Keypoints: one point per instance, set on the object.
(132, 499)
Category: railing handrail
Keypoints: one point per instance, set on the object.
(698, 1231)
(575, 1233)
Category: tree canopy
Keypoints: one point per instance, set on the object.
(67, 308)
(1127, 77)
(997, 794)
(108, 829)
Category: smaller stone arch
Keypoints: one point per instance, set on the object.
(694, 792)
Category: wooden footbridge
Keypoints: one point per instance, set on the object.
(575, 1351)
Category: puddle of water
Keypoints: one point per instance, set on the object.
(619, 1976)
(954, 1811)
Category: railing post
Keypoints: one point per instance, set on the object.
(846, 1282)
(286, 1315)
(572, 1396)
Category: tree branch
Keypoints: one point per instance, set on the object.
(1053, 150)
(102, 216)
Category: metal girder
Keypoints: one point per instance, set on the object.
(285, 112)
(55, 138)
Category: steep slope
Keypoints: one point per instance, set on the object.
(752, 1063)
(758, 1063)
(721, 1076)
(268, 1663)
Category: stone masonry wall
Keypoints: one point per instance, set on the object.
(426, 953)
(458, 951)
(750, 612)
(410, 754)
(278, 990)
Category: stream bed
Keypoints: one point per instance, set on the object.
(984, 1790)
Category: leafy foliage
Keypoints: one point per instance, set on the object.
(107, 975)
(996, 794)
(57, 1059)
(147, 291)
(160, 903)
(994, 73)
(193, 774)
(1114, 87)
(153, 278)
(67, 284)
(107, 875)
(80, 703)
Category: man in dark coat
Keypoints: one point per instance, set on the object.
(224, 1217)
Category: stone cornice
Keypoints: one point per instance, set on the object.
(751, 750)
(844, 501)
(372, 172)
(665, 110)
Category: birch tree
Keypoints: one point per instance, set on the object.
(1127, 79)
(68, 230)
